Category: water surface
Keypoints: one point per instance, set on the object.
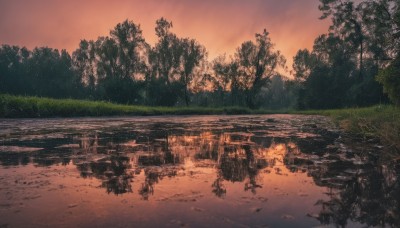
(197, 171)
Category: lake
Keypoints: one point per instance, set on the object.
(193, 171)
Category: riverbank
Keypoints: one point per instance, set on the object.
(378, 122)
(35, 107)
(382, 122)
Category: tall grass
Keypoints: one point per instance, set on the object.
(381, 122)
(21, 106)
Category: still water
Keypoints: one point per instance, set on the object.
(197, 171)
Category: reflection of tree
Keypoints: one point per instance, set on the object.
(365, 192)
(147, 188)
(218, 187)
(370, 199)
(153, 176)
(112, 171)
(238, 163)
(88, 144)
(368, 193)
(14, 159)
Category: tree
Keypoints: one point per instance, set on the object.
(129, 43)
(164, 66)
(382, 19)
(257, 63)
(347, 23)
(390, 79)
(372, 27)
(324, 73)
(110, 64)
(13, 67)
(227, 79)
(221, 80)
(84, 63)
(167, 52)
(303, 63)
(192, 55)
(52, 73)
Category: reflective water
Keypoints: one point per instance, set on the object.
(234, 171)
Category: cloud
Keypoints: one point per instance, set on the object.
(220, 25)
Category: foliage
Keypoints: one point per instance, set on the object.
(108, 65)
(24, 106)
(382, 122)
(257, 64)
(339, 71)
(43, 71)
(390, 79)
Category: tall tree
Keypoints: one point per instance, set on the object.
(130, 43)
(165, 66)
(192, 55)
(227, 79)
(390, 79)
(382, 18)
(110, 64)
(13, 67)
(347, 22)
(167, 51)
(52, 72)
(257, 63)
(324, 73)
(84, 63)
(303, 63)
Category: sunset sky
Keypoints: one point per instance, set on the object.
(220, 25)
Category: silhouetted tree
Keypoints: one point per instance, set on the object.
(13, 70)
(390, 79)
(110, 64)
(227, 79)
(257, 63)
(84, 62)
(164, 61)
(192, 55)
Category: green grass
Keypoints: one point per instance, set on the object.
(381, 122)
(31, 107)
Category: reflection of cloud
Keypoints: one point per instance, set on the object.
(220, 25)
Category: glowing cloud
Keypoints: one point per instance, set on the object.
(220, 25)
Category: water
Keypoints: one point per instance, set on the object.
(226, 171)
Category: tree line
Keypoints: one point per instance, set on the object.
(355, 64)
(341, 70)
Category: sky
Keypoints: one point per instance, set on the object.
(220, 25)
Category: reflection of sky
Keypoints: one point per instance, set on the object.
(185, 196)
(239, 172)
(219, 25)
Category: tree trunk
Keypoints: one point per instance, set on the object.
(186, 90)
(186, 96)
(361, 58)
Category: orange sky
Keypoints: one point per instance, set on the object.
(220, 25)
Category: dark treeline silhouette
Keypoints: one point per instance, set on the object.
(354, 64)
(341, 69)
(41, 72)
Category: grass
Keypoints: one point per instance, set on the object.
(31, 107)
(381, 122)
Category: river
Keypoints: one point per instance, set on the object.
(193, 171)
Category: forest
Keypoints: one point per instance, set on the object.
(356, 63)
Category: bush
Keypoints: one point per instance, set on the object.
(390, 79)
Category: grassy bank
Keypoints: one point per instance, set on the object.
(381, 122)
(21, 106)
